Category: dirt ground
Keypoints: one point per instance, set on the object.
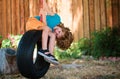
(79, 69)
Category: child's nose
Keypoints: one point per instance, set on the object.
(57, 32)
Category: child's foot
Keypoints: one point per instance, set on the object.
(49, 58)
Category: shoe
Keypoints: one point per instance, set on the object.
(42, 53)
(48, 57)
(51, 59)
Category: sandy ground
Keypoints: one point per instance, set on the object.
(79, 69)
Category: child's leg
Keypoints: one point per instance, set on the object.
(45, 37)
(52, 42)
(51, 58)
(48, 55)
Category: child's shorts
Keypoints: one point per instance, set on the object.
(34, 24)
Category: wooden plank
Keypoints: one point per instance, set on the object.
(18, 16)
(91, 15)
(77, 19)
(109, 13)
(31, 8)
(55, 6)
(103, 14)
(80, 23)
(22, 15)
(1, 18)
(38, 7)
(4, 18)
(119, 13)
(97, 14)
(86, 19)
(9, 22)
(13, 17)
(26, 12)
(34, 8)
(115, 12)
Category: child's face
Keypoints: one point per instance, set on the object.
(58, 32)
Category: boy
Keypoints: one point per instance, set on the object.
(53, 28)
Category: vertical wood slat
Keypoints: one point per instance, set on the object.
(1, 18)
(22, 11)
(119, 13)
(77, 16)
(26, 13)
(4, 18)
(86, 18)
(115, 12)
(91, 15)
(18, 16)
(103, 14)
(35, 7)
(74, 16)
(38, 7)
(109, 13)
(13, 17)
(97, 14)
(31, 8)
(9, 21)
(78, 19)
(80, 28)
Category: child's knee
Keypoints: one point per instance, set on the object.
(52, 35)
(46, 29)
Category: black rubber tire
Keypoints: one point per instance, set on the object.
(25, 56)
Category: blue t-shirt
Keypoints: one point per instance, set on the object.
(52, 20)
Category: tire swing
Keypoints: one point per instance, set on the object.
(26, 65)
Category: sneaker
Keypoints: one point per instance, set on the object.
(42, 53)
(48, 57)
(51, 59)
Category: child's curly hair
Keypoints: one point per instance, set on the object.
(65, 41)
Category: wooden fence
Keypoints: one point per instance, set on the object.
(81, 16)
